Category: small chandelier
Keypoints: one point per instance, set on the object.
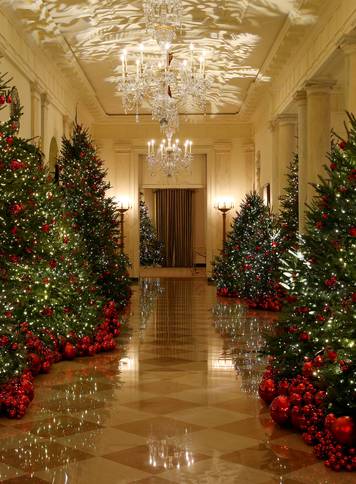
(165, 82)
(163, 18)
(170, 157)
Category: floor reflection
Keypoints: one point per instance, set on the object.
(176, 403)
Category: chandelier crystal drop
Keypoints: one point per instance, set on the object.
(163, 18)
(167, 83)
(169, 157)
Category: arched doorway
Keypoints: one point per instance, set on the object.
(52, 159)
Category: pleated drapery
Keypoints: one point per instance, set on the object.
(174, 218)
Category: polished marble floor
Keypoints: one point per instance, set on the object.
(177, 403)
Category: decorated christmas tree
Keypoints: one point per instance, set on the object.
(50, 305)
(82, 178)
(288, 216)
(248, 266)
(314, 342)
(151, 248)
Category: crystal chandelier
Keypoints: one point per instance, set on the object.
(163, 18)
(170, 157)
(165, 82)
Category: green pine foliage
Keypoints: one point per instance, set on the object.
(151, 248)
(248, 266)
(316, 335)
(45, 282)
(82, 178)
(289, 216)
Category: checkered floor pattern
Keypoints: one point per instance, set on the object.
(168, 406)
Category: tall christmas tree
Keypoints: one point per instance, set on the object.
(82, 177)
(248, 266)
(288, 216)
(50, 305)
(151, 248)
(315, 338)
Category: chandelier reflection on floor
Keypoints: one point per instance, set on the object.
(170, 157)
(170, 452)
(163, 18)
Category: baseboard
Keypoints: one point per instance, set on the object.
(200, 265)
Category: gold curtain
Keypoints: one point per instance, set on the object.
(174, 216)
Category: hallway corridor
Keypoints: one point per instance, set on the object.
(176, 403)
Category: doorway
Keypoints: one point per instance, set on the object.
(174, 217)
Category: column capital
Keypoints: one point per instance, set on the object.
(248, 147)
(45, 100)
(35, 88)
(283, 120)
(286, 118)
(272, 124)
(300, 97)
(348, 44)
(319, 86)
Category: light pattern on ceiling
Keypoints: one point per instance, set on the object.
(237, 36)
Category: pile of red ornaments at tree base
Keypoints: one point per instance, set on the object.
(271, 302)
(225, 292)
(46, 349)
(298, 403)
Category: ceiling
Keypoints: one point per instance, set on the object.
(237, 35)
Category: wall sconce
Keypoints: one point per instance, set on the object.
(123, 205)
(224, 205)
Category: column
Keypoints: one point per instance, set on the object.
(44, 123)
(287, 145)
(249, 155)
(273, 126)
(35, 112)
(223, 188)
(301, 101)
(348, 46)
(318, 130)
(124, 176)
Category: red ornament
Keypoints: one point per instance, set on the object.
(330, 282)
(344, 430)
(280, 409)
(46, 366)
(16, 208)
(10, 140)
(16, 165)
(34, 363)
(304, 336)
(332, 355)
(2, 99)
(283, 387)
(307, 368)
(46, 228)
(318, 361)
(333, 166)
(69, 351)
(267, 390)
(352, 231)
(319, 397)
(342, 145)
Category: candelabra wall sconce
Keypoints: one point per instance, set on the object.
(224, 206)
(123, 205)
